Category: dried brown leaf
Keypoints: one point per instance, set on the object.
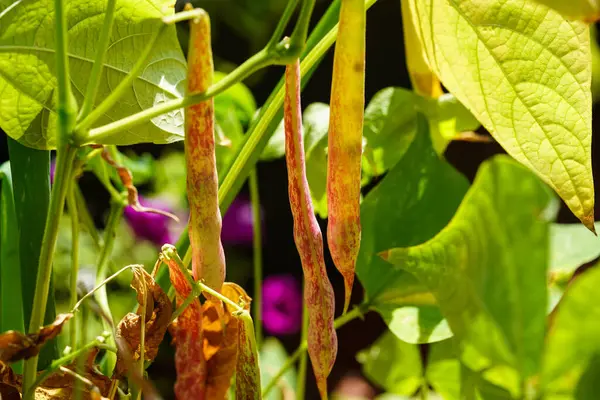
(132, 193)
(15, 346)
(157, 318)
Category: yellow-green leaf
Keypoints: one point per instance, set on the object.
(585, 10)
(525, 72)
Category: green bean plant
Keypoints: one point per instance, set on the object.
(483, 294)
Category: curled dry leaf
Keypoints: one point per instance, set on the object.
(60, 385)
(247, 383)
(132, 193)
(157, 318)
(15, 346)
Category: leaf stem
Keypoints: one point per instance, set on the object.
(338, 323)
(282, 24)
(183, 16)
(81, 135)
(110, 232)
(94, 78)
(104, 282)
(72, 206)
(257, 254)
(64, 163)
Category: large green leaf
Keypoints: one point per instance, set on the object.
(571, 246)
(574, 336)
(393, 364)
(30, 169)
(11, 303)
(525, 72)
(28, 76)
(585, 10)
(487, 268)
(404, 209)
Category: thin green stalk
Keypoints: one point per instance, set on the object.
(303, 365)
(94, 78)
(85, 218)
(72, 206)
(338, 323)
(257, 253)
(282, 24)
(110, 232)
(118, 92)
(301, 30)
(183, 16)
(64, 164)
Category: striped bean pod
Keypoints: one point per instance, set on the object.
(208, 258)
(247, 378)
(345, 141)
(318, 293)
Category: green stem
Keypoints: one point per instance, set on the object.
(64, 164)
(282, 24)
(104, 282)
(118, 92)
(183, 16)
(72, 206)
(301, 30)
(338, 323)
(257, 253)
(302, 366)
(110, 232)
(85, 218)
(94, 78)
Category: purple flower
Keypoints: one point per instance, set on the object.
(281, 305)
(238, 223)
(156, 228)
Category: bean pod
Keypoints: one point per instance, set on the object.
(318, 293)
(208, 258)
(345, 141)
(247, 378)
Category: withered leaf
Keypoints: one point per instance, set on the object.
(15, 346)
(157, 318)
(58, 386)
(221, 341)
(132, 193)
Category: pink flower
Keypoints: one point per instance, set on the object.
(150, 226)
(281, 305)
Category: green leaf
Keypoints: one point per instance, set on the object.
(393, 364)
(30, 170)
(28, 77)
(404, 210)
(490, 53)
(444, 370)
(11, 309)
(271, 359)
(391, 124)
(487, 268)
(571, 245)
(585, 10)
(574, 336)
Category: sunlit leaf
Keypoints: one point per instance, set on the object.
(585, 10)
(487, 268)
(28, 76)
(488, 53)
(404, 210)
